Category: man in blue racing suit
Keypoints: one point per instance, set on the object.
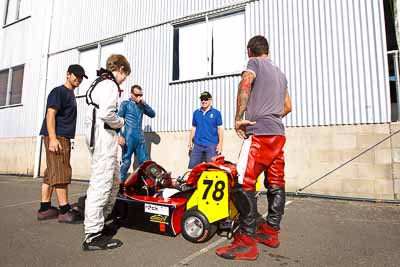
(132, 111)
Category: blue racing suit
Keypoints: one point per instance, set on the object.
(133, 134)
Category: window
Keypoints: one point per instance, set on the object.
(88, 59)
(95, 58)
(16, 10)
(213, 45)
(16, 85)
(3, 87)
(108, 50)
(11, 89)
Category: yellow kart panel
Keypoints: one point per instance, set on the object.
(211, 196)
(233, 212)
(192, 202)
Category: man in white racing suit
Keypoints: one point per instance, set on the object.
(102, 124)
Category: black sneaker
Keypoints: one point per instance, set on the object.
(110, 229)
(99, 241)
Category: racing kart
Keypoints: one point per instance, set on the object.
(197, 204)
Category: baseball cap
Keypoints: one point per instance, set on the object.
(205, 95)
(77, 70)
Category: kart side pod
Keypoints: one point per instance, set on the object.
(209, 205)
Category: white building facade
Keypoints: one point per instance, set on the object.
(333, 52)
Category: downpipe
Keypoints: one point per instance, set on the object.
(42, 96)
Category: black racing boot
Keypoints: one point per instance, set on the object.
(268, 230)
(110, 229)
(276, 205)
(99, 241)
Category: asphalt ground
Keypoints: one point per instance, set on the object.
(315, 232)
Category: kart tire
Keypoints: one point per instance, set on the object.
(195, 226)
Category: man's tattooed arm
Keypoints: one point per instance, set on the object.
(243, 94)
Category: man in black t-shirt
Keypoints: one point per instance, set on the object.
(58, 128)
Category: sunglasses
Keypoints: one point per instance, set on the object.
(204, 99)
(137, 95)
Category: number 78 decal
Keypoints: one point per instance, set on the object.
(213, 198)
(218, 190)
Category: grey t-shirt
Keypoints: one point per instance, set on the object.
(267, 98)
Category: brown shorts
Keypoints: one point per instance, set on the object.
(58, 169)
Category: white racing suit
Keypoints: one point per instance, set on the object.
(104, 180)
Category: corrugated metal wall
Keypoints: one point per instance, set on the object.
(21, 43)
(334, 55)
(99, 19)
(333, 52)
(174, 104)
(13, 53)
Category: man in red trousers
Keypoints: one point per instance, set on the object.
(264, 97)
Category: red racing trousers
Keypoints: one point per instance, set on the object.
(262, 153)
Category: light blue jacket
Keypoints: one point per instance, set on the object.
(133, 112)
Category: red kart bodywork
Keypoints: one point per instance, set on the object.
(141, 209)
(147, 210)
(218, 164)
(152, 214)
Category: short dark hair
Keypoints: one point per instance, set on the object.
(137, 87)
(258, 45)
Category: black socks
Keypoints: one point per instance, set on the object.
(64, 209)
(44, 206)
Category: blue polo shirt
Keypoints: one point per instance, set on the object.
(206, 126)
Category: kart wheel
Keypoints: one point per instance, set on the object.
(196, 228)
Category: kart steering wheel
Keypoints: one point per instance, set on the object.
(164, 180)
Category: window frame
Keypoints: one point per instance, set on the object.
(17, 16)
(206, 17)
(10, 84)
(98, 47)
(11, 92)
